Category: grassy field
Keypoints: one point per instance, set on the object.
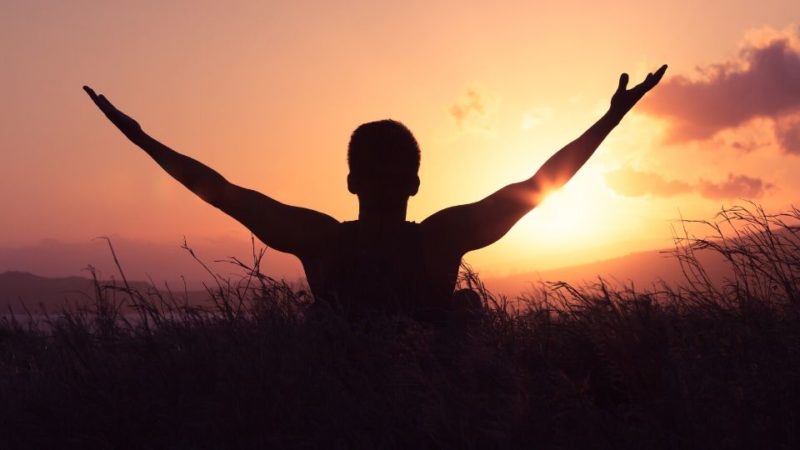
(696, 365)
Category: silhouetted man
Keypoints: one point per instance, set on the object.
(381, 261)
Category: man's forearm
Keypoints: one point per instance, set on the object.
(560, 167)
(196, 176)
(510, 203)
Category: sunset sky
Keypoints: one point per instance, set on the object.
(269, 93)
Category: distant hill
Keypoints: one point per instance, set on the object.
(142, 260)
(18, 288)
(642, 269)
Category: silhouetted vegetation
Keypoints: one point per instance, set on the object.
(700, 365)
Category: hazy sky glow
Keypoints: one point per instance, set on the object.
(268, 94)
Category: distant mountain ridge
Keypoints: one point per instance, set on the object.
(142, 260)
(642, 269)
(20, 290)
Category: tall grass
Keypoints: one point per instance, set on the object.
(702, 364)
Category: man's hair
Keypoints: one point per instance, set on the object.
(383, 144)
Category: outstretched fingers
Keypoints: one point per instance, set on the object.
(100, 100)
(624, 99)
(652, 79)
(623, 82)
(90, 91)
(660, 74)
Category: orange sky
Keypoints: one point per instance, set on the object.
(268, 95)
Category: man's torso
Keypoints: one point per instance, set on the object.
(381, 267)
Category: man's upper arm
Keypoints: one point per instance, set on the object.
(286, 228)
(460, 229)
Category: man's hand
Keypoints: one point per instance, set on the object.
(624, 99)
(122, 121)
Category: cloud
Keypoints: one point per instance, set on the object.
(787, 133)
(476, 112)
(764, 81)
(634, 183)
(471, 105)
(535, 117)
(736, 186)
(746, 146)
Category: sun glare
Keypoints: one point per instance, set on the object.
(569, 217)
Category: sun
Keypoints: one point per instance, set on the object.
(574, 216)
(562, 214)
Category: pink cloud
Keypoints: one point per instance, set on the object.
(634, 183)
(736, 186)
(630, 182)
(787, 133)
(763, 82)
(472, 104)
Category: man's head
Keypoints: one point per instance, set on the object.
(384, 159)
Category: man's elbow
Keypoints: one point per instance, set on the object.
(215, 194)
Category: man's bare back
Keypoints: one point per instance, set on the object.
(381, 261)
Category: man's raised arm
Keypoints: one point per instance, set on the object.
(460, 229)
(286, 228)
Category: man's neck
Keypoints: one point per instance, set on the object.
(383, 214)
